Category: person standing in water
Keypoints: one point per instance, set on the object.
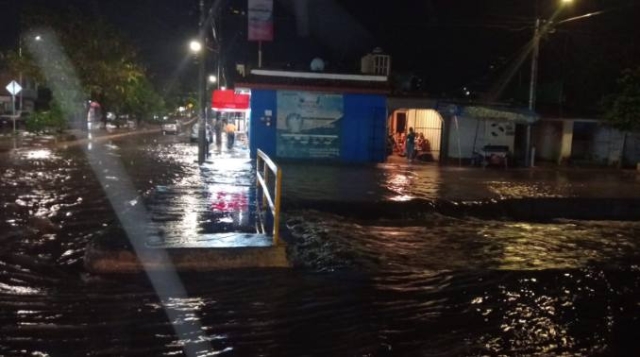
(217, 128)
(231, 134)
(410, 144)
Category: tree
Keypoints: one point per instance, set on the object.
(144, 102)
(82, 58)
(622, 109)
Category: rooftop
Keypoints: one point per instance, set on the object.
(314, 81)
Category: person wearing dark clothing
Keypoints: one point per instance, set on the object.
(423, 151)
(217, 128)
(410, 145)
(230, 129)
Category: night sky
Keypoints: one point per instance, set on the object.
(447, 43)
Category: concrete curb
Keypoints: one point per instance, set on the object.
(108, 259)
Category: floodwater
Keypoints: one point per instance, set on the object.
(425, 285)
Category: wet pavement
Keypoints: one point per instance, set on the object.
(425, 283)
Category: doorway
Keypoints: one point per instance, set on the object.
(426, 123)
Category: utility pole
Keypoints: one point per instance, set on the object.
(202, 88)
(216, 30)
(533, 87)
(20, 79)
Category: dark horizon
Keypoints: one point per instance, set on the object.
(449, 45)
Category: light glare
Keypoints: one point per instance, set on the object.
(195, 46)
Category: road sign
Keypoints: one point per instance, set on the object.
(14, 88)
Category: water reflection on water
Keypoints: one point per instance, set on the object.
(430, 182)
(435, 285)
(440, 243)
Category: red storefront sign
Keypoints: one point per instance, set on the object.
(229, 100)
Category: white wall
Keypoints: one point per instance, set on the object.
(482, 132)
(554, 140)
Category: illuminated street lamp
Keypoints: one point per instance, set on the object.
(535, 53)
(213, 79)
(195, 46)
(37, 38)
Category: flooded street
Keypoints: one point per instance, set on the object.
(408, 282)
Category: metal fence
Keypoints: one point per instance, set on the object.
(267, 172)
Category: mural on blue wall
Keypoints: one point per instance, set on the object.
(309, 124)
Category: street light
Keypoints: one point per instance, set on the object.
(213, 79)
(37, 38)
(198, 46)
(535, 53)
(195, 46)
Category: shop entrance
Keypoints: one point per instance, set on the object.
(230, 121)
(427, 125)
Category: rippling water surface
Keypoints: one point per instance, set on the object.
(430, 286)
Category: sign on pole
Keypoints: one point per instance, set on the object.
(260, 20)
(14, 88)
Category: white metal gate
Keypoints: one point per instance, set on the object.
(427, 122)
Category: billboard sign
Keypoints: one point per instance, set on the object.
(308, 125)
(260, 20)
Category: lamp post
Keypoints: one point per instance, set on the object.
(533, 84)
(36, 38)
(197, 48)
(20, 79)
(200, 47)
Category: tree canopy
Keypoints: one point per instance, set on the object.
(622, 109)
(71, 49)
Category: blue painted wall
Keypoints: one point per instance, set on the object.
(262, 129)
(363, 127)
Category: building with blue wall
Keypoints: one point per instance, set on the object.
(318, 117)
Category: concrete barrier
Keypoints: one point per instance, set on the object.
(109, 258)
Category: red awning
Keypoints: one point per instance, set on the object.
(229, 100)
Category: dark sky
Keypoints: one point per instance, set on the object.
(449, 43)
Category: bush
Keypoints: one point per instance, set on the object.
(49, 120)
